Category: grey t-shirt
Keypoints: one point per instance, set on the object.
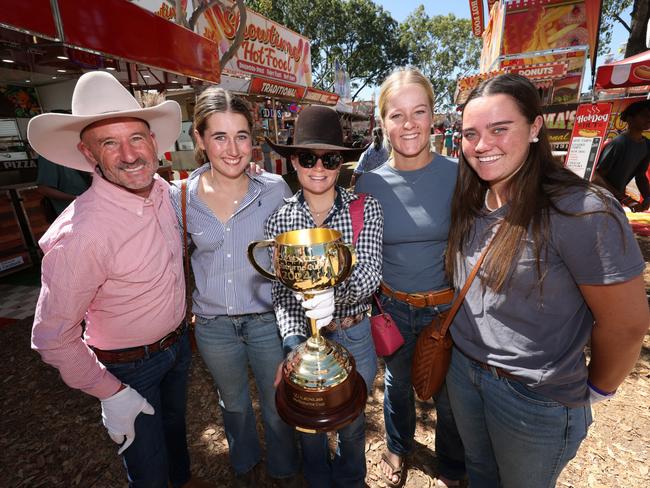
(417, 206)
(540, 335)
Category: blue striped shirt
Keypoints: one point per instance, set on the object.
(226, 283)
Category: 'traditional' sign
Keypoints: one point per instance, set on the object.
(270, 88)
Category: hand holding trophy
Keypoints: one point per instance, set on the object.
(321, 390)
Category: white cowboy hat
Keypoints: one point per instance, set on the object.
(97, 96)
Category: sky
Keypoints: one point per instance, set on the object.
(400, 9)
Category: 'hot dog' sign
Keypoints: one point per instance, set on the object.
(589, 130)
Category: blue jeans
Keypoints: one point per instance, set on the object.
(513, 436)
(399, 399)
(348, 468)
(228, 344)
(159, 452)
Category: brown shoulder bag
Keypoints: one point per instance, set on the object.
(433, 348)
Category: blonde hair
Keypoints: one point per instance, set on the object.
(397, 79)
(213, 100)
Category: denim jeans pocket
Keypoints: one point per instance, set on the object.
(266, 316)
(355, 334)
(201, 320)
(521, 391)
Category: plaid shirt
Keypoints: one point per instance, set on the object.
(353, 295)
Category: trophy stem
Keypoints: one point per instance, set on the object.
(314, 328)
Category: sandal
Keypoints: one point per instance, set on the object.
(400, 472)
(442, 482)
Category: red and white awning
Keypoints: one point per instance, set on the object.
(632, 71)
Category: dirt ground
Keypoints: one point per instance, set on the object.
(52, 436)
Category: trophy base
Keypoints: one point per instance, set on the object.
(312, 420)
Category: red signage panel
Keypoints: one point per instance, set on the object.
(589, 131)
(321, 97)
(269, 88)
(543, 71)
(476, 9)
(124, 30)
(34, 16)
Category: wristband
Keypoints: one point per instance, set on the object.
(599, 391)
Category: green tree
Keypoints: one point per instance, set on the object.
(358, 33)
(443, 48)
(611, 10)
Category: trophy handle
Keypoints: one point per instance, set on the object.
(350, 260)
(251, 257)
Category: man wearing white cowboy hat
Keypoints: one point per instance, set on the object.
(114, 258)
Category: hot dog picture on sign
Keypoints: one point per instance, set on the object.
(589, 130)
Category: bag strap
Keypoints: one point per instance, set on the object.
(186, 253)
(356, 215)
(381, 309)
(461, 296)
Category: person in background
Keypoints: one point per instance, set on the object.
(449, 141)
(562, 270)
(374, 156)
(266, 151)
(114, 258)
(627, 156)
(456, 138)
(415, 188)
(341, 312)
(59, 184)
(438, 137)
(235, 322)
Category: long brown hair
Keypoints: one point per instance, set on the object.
(213, 100)
(533, 193)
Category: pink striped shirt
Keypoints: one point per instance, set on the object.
(115, 259)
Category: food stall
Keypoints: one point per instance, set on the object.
(620, 84)
(46, 46)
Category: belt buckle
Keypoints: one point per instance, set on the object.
(414, 299)
(163, 343)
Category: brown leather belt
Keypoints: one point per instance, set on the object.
(344, 323)
(420, 300)
(501, 373)
(134, 353)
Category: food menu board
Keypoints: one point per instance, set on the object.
(588, 133)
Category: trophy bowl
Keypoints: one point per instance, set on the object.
(320, 390)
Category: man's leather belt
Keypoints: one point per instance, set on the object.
(345, 322)
(420, 300)
(134, 353)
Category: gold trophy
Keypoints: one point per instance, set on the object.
(320, 390)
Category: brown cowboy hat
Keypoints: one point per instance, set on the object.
(318, 128)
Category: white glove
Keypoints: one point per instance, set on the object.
(320, 307)
(119, 412)
(596, 395)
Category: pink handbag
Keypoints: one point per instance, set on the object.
(385, 334)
